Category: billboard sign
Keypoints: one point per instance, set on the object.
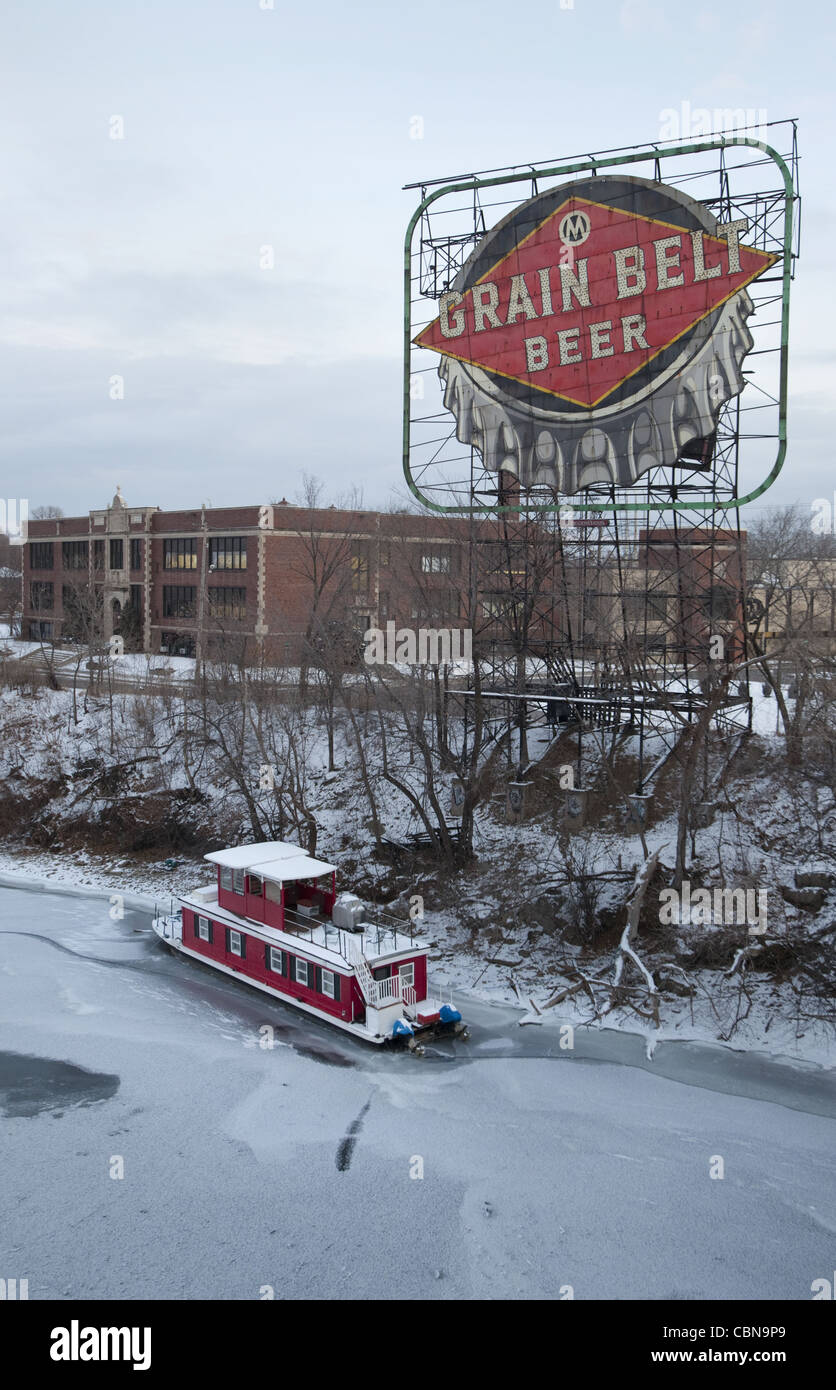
(596, 332)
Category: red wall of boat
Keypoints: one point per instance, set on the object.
(253, 967)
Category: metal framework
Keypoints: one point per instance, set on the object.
(605, 608)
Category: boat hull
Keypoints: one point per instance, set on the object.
(167, 930)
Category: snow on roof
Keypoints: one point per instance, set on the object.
(273, 858)
(298, 866)
(242, 856)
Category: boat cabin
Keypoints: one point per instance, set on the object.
(271, 919)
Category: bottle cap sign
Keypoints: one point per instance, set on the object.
(596, 332)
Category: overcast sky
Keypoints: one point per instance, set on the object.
(292, 127)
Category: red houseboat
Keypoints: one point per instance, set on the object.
(274, 919)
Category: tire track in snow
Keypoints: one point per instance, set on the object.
(346, 1150)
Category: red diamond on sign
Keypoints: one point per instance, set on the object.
(589, 297)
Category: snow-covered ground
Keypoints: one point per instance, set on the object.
(502, 1168)
(494, 930)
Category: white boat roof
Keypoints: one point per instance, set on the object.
(274, 859)
(301, 866)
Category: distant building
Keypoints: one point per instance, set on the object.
(795, 599)
(244, 581)
(274, 581)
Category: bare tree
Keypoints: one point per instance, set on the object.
(792, 611)
(331, 566)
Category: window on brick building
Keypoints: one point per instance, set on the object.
(496, 606)
(40, 632)
(74, 555)
(117, 554)
(78, 617)
(177, 643)
(228, 553)
(40, 555)
(360, 568)
(435, 562)
(179, 600)
(180, 553)
(136, 553)
(720, 602)
(653, 605)
(227, 603)
(98, 555)
(41, 596)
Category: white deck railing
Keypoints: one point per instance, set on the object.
(389, 990)
(394, 990)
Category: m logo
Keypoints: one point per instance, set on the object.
(574, 228)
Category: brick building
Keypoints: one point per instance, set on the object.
(239, 580)
(266, 581)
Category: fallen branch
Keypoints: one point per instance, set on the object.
(634, 907)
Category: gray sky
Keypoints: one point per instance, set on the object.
(292, 127)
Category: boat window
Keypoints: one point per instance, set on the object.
(301, 971)
(238, 881)
(226, 879)
(275, 961)
(382, 972)
(234, 942)
(204, 931)
(255, 886)
(407, 973)
(328, 983)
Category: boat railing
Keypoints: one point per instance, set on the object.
(389, 990)
(169, 925)
(393, 990)
(381, 935)
(320, 931)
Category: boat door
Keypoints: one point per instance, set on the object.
(254, 901)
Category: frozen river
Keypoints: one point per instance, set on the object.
(504, 1167)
